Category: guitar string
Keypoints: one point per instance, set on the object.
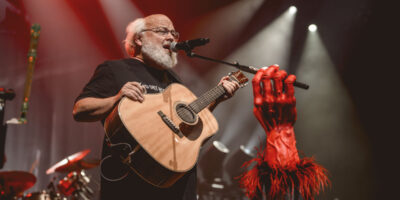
(204, 100)
(197, 105)
(201, 102)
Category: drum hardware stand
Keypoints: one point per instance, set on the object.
(52, 188)
(5, 95)
(82, 192)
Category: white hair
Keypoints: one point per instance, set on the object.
(132, 30)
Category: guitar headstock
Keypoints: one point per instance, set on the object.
(239, 77)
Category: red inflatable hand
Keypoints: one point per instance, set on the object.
(278, 168)
(275, 109)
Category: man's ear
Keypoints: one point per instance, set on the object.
(138, 40)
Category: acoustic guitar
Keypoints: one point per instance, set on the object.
(160, 138)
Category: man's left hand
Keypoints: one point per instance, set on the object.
(229, 86)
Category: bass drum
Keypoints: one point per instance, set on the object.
(43, 195)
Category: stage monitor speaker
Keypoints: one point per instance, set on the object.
(211, 163)
(235, 161)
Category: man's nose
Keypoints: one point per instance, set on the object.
(170, 37)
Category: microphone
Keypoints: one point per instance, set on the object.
(188, 45)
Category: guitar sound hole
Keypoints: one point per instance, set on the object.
(185, 113)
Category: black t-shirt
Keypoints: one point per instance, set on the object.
(107, 80)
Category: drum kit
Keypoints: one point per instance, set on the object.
(74, 186)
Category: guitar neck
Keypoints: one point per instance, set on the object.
(204, 100)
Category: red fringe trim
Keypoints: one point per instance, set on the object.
(306, 177)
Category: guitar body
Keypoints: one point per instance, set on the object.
(165, 137)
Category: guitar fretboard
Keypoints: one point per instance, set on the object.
(204, 100)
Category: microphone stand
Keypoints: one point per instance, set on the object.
(249, 69)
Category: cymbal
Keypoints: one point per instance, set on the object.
(15, 182)
(73, 162)
(77, 166)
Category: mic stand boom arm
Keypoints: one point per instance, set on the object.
(249, 69)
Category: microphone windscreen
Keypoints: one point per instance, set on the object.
(172, 46)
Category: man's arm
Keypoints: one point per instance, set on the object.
(91, 109)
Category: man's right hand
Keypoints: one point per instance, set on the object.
(133, 90)
(93, 109)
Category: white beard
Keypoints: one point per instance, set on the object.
(157, 54)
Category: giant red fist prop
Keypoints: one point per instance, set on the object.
(278, 167)
(275, 109)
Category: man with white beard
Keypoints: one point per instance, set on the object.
(147, 70)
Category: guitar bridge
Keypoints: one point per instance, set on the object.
(170, 124)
